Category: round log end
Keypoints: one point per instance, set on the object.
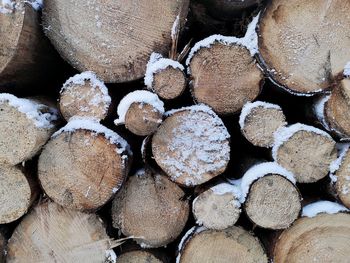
(138, 257)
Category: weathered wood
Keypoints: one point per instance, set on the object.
(150, 208)
(138, 256)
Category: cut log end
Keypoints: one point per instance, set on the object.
(323, 238)
(342, 185)
(273, 202)
(150, 208)
(230, 245)
(72, 237)
(225, 77)
(138, 257)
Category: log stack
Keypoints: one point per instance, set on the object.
(173, 142)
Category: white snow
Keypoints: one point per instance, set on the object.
(96, 128)
(36, 4)
(285, 133)
(111, 257)
(343, 149)
(42, 115)
(261, 170)
(156, 64)
(224, 188)
(319, 111)
(249, 106)
(7, 6)
(250, 41)
(328, 207)
(185, 238)
(347, 70)
(142, 96)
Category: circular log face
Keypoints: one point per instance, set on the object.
(304, 44)
(324, 238)
(113, 38)
(169, 83)
(138, 257)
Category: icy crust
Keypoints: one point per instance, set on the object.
(141, 96)
(194, 230)
(42, 115)
(319, 111)
(224, 188)
(250, 41)
(285, 133)
(9, 6)
(328, 207)
(249, 106)
(343, 149)
(347, 70)
(156, 64)
(96, 129)
(259, 171)
(111, 257)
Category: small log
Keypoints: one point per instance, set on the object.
(83, 95)
(230, 245)
(128, 33)
(83, 165)
(141, 111)
(138, 256)
(165, 77)
(218, 207)
(150, 208)
(305, 151)
(51, 233)
(25, 126)
(259, 121)
(304, 59)
(192, 145)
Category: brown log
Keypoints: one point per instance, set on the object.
(51, 233)
(323, 238)
(150, 208)
(25, 126)
(259, 121)
(83, 95)
(305, 151)
(230, 245)
(304, 59)
(83, 165)
(128, 33)
(192, 145)
(138, 256)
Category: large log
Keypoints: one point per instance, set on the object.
(51, 233)
(113, 38)
(151, 209)
(25, 126)
(304, 59)
(83, 165)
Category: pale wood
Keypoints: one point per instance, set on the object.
(138, 256)
(342, 185)
(216, 211)
(261, 124)
(307, 155)
(181, 141)
(142, 118)
(225, 77)
(51, 233)
(324, 238)
(304, 59)
(273, 202)
(150, 208)
(169, 83)
(227, 246)
(82, 170)
(113, 38)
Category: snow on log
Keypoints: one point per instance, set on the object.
(83, 165)
(224, 73)
(25, 126)
(192, 145)
(113, 38)
(259, 121)
(84, 95)
(51, 233)
(304, 59)
(138, 256)
(313, 209)
(305, 151)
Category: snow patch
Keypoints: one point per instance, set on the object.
(259, 171)
(36, 4)
(42, 115)
(250, 41)
(224, 188)
(249, 106)
(111, 257)
(156, 64)
(319, 111)
(328, 207)
(285, 133)
(347, 70)
(9, 6)
(186, 237)
(142, 96)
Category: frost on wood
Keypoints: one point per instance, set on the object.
(347, 70)
(156, 64)
(328, 207)
(250, 41)
(224, 188)
(9, 6)
(142, 96)
(319, 111)
(42, 115)
(261, 170)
